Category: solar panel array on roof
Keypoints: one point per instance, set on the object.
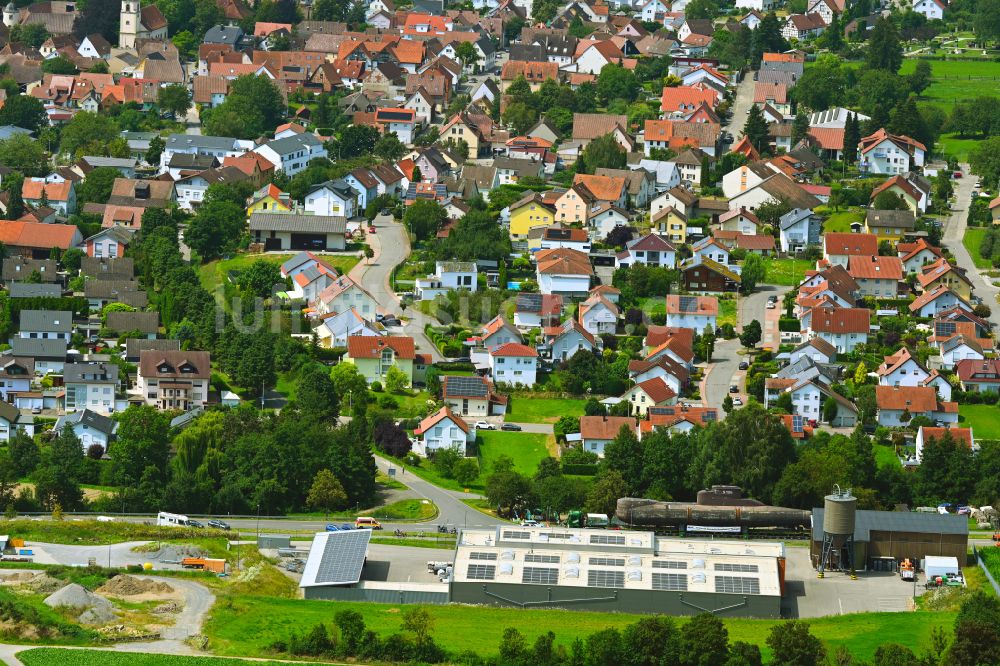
(603, 578)
(482, 556)
(662, 411)
(612, 539)
(670, 581)
(541, 559)
(529, 302)
(689, 303)
(466, 386)
(669, 564)
(540, 575)
(945, 328)
(388, 114)
(481, 572)
(737, 585)
(510, 534)
(708, 415)
(606, 562)
(741, 568)
(343, 557)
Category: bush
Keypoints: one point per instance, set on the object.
(465, 471)
(376, 387)
(580, 470)
(789, 325)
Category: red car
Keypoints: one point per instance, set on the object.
(371, 230)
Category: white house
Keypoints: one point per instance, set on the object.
(16, 375)
(513, 363)
(651, 250)
(364, 185)
(207, 146)
(798, 228)
(709, 248)
(566, 340)
(308, 284)
(598, 315)
(941, 298)
(334, 198)
(443, 430)
(292, 154)
(12, 420)
(334, 329)
(927, 433)
(759, 5)
(46, 325)
(902, 369)
(816, 349)
(90, 428)
(694, 312)
(885, 153)
(959, 348)
(932, 9)
(90, 386)
(563, 271)
(808, 398)
(844, 328)
(650, 393)
(898, 405)
(457, 274)
(498, 331)
(401, 122)
(343, 295)
(172, 380)
(740, 220)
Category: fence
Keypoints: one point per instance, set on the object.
(982, 565)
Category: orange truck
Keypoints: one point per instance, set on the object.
(205, 564)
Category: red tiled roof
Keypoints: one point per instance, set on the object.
(367, 346)
(439, 415)
(917, 399)
(957, 434)
(514, 349)
(875, 267)
(837, 243)
(841, 320)
(657, 390)
(604, 427)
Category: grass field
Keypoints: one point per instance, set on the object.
(213, 273)
(94, 533)
(957, 80)
(58, 657)
(247, 625)
(527, 409)
(525, 449)
(408, 509)
(972, 240)
(727, 311)
(787, 272)
(950, 144)
(841, 222)
(984, 419)
(886, 457)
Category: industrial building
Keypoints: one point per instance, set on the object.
(605, 570)
(881, 539)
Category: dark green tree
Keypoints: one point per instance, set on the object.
(756, 131)
(704, 641)
(800, 128)
(253, 107)
(57, 479)
(96, 187)
(604, 152)
(424, 217)
(216, 229)
(24, 111)
(793, 645)
(884, 49)
(852, 137)
(174, 98)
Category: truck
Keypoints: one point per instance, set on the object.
(164, 518)
(592, 520)
(907, 571)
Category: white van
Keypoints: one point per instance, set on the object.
(171, 519)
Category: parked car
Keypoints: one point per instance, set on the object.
(344, 527)
(530, 523)
(367, 523)
(737, 402)
(771, 305)
(330, 527)
(483, 425)
(513, 427)
(195, 523)
(371, 230)
(957, 174)
(219, 524)
(734, 389)
(744, 365)
(391, 321)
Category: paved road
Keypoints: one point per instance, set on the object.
(741, 104)
(391, 245)
(722, 373)
(954, 230)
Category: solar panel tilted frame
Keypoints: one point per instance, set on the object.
(343, 556)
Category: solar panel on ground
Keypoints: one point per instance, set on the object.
(472, 387)
(602, 578)
(342, 557)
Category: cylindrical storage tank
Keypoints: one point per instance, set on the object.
(839, 510)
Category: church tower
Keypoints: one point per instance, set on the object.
(10, 15)
(129, 24)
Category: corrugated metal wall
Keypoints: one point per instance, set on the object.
(375, 596)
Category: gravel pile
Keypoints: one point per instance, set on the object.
(124, 585)
(19, 576)
(96, 610)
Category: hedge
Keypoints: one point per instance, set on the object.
(789, 325)
(580, 469)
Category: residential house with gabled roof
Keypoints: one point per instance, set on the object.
(566, 340)
(942, 273)
(654, 392)
(596, 432)
(843, 328)
(935, 300)
(332, 198)
(537, 310)
(650, 250)
(172, 380)
(589, 126)
(344, 294)
(444, 429)
(885, 153)
(598, 315)
(498, 331)
(916, 255)
(563, 271)
(472, 396)
(514, 364)
(898, 405)
(979, 376)
(890, 225)
(914, 191)
(838, 247)
(876, 276)
(59, 196)
(694, 312)
(334, 328)
(373, 356)
(803, 26)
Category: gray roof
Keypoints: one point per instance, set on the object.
(126, 322)
(59, 321)
(294, 143)
(189, 141)
(110, 268)
(139, 140)
(123, 291)
(134, 346)
(114, 162)
(92, 420)
(897, 521)
(37, 348)
(9, 412)
(338, 187)
(86, 373)
(19, 268)
(902, 219)
(7, 131)
(31, 290)
(191, 161)
(322, 224)
(223, 34)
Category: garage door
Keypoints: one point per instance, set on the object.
(308, 241)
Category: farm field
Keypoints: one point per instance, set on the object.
(972, 240)
(957, 80)
(525, 449)
(982, 418)
(526, 409)
(248, 625)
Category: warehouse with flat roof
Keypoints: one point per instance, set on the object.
(608, 570)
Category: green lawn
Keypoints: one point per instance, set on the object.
(58, 657)
(525, 449)
(787, 272)
(950, 144)
(408, 509)
(841, 222)
(972, 240)
(984, 420)
(248, 625)
(653, 305)
(213, 273)
(957, 80)
(528, 409)
(727, 311)
(886, 457)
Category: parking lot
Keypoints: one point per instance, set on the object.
(806, 595)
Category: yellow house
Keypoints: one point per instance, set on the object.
(574, 205)
(269, 199)
(462, 127)
(373, 356)
(671, 223)
(889, 225)
(941, 273)
(529, 213)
